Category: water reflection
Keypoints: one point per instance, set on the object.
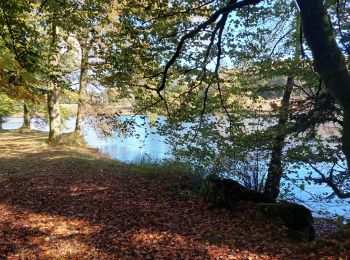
(143, 143)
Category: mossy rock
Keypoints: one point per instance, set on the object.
(224, 192)
(297, 218)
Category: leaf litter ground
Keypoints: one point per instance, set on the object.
(71, 203)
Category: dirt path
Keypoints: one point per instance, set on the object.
(67, 203)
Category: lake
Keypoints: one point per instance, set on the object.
(145, 143)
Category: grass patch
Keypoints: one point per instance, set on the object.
(171, 171)
(72, 153)
(72, 140)
(25, 154)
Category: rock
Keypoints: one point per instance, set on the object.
(297, 218)
(224, 192)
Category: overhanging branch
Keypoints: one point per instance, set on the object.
(231, 6)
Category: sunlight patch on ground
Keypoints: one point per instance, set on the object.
(30, 234)
(59, 226)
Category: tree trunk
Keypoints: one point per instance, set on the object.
(26, 117)
(328, 59)
(346, 136)
(272, 185)
(53, 105)
(83, 80)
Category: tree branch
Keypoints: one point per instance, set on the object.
(224, 10)
(329, 181)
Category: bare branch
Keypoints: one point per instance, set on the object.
(329, 181)
(224, 10)
(219, 43)
(279, 40)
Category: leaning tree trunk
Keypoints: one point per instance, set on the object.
(328, 59)
(272, 185)
(53, 105)
(83, 80)
(26, 117)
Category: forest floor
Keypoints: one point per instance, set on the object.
(70, 202)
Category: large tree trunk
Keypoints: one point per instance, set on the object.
(53, 105)
(53, 102)
(272, 185)
(83, 80)
(346, 136)
(328, 59)
(26, 117)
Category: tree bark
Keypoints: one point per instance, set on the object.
(272, 185)
(346, 135)
(83, 80)
(53, 105)
(328, 59)
(26, 117)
